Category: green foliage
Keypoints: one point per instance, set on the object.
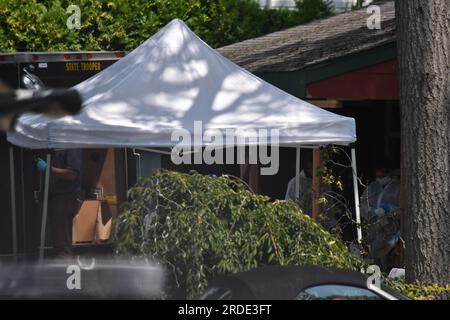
(200, 226)
(313, 9)
(419, 291)
(35, 25)
(358, 4)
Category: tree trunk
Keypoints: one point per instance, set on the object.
(423, 40)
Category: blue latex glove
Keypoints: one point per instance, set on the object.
(393, 240)
(372, 213)
(41, 165)
(386, 207)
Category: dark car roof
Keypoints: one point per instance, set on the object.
(285, 282)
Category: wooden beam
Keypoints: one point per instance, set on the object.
(316, 188)
(325, 104)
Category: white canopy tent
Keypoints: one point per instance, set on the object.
(167, 83)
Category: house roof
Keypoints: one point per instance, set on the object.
(298, 47)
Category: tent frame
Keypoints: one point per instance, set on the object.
(46, 195)
(356, 195)
(45, 207)
(13, 203)
(355, 185)
(168, 45)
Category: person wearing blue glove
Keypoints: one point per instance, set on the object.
(378, 201)
(383, 193)
(63, 205)
(41, 165)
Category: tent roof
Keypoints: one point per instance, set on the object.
(167, 83)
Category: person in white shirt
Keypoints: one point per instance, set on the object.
(305, 186)
(305, 182)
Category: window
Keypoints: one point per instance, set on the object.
(337, 292)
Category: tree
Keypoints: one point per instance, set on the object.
(423, 29)
(309, 10)
(123, 25)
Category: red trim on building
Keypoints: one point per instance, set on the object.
(377, 82)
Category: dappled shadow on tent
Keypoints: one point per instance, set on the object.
(172, 80)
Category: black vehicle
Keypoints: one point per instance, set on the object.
(52, 73)
(306, 282)
(34, 70)
(89, 277)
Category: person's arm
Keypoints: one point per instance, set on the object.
(73, 165)
(66, 174)
(290, 192)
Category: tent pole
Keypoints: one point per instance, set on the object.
(297, 173)
(13, 202)
(156, 151)
(126, 169)
(22, 194)
(356, 194)
(138, 156)
(316, 185)
(45, 208)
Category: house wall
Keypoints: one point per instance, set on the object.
(363, 86)
(376, 82)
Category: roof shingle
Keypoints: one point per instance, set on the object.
(295, 48)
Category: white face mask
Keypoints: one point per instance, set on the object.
(384, 181)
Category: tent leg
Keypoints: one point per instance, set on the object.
(13, 202)
(297, 172)
(316, 185)
(45, 208)
(126, 169)
(22, 194)
(356, 194)
(138, 156)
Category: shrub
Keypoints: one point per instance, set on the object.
(419, 291)
(200, 227)
(34, 25)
